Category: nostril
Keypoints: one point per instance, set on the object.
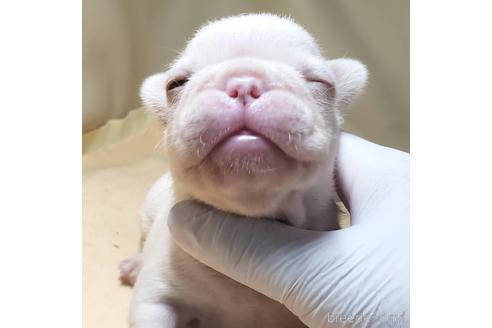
(234, 93)
(255, 92)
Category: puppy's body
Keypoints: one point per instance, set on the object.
(253, 115)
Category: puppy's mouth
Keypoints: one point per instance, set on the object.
(247, 149)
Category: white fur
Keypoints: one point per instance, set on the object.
(302, 112)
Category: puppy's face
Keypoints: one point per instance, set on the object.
(252, 110)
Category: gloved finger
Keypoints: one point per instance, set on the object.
(368, 174)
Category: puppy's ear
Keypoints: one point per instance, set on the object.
(350, 78)
(153, 95)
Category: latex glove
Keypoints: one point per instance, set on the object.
(357, 276)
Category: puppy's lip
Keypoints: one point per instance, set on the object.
(246, 132)
(244, 142)
(246, 146)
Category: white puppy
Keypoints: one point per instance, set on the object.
(253, 114)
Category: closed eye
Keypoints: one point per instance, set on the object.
(318, 80)
(176, 83)
(320, 88)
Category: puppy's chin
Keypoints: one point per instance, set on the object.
(251, 183)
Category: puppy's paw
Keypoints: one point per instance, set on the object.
(130, 268)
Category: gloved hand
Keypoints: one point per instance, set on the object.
(355, 277)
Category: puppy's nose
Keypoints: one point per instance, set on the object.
(244, 88)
